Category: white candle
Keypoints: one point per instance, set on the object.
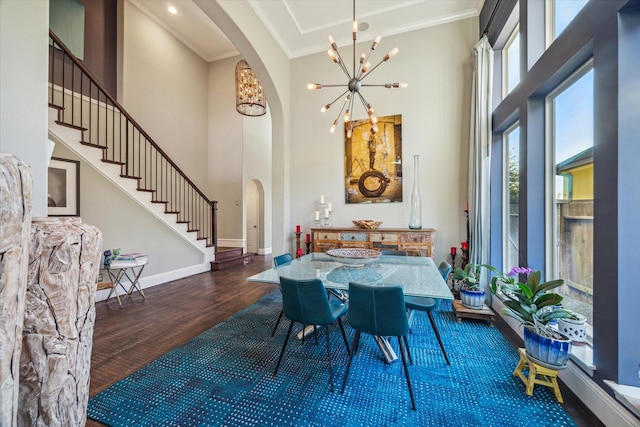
(329, 206)
(326, 213)
(316, 215)
(322, 199)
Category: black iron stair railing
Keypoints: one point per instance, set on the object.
(84, 104)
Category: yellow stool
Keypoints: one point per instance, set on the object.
(537, 375)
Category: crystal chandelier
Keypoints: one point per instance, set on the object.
(354, 82)
(250, 99)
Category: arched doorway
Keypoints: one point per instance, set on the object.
(254, 201)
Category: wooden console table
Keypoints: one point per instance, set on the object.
(415, 242)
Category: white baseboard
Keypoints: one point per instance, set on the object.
(158, 279)
(265, 251)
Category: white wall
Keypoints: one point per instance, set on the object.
(437, 64)
(225, 152)
(239, 151)
(164, 89)
(240, 24)
(24, 62)
(257, 165)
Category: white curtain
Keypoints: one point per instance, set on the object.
(480, 153)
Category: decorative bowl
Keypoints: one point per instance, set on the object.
(354, 257)
(368, 224)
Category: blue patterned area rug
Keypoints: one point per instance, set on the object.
(224, 377)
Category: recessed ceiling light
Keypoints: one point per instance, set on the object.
(172, 10)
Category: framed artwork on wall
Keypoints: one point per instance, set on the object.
(63, 187)
(373, 162)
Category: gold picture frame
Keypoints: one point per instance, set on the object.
(373, 162)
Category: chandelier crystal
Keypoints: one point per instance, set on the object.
(354, 81)
(250, 99)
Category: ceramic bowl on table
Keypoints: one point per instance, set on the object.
(354, 257)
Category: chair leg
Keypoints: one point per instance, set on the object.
(406, 344)
(275, 327)
(286, 339)
(329, 359)
(344, 336)
(315, 333)
(354, 345)
(435, 329)
(406, 372)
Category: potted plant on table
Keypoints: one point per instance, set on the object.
(534, 306)
(471, 293)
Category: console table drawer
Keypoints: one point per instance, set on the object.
(355, 244)
(324, 235)
(357, 237)
(383, 237)
(415, 238)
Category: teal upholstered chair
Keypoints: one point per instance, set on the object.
(429, 304)
(305, 302)
(278, 261)
(378, 310)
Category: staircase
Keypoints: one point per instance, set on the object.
(90, 122)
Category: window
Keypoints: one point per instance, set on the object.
(570, 166)
(560, 14)
(511, 62)
(511, 197)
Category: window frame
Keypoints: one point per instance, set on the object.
(505, 193)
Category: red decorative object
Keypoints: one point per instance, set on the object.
(307, 239)
(465, 245)
(298, 252)
(454, 250)
(297, 228)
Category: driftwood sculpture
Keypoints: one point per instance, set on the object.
(15, 225)
(58, 325)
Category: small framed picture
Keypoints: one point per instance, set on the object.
(64, 187)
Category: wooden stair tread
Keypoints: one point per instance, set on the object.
(230, 257)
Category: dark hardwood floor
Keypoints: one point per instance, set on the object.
(129, 337)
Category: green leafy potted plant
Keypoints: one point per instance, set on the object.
(534, 305)
(472, 295)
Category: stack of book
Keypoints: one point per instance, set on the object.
(129, 260)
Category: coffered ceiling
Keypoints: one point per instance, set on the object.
(301, 27)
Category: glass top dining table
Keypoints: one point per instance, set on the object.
(418, 276)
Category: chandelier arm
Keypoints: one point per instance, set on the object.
(339, 96)
(340, 63)
(364, 101)
(341, 110)
(371, 70)
(355, 29)
(360, 72)
(351, 106)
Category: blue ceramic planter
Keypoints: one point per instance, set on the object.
(472, 299)
(546, 351)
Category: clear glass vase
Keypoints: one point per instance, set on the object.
(415, 210)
